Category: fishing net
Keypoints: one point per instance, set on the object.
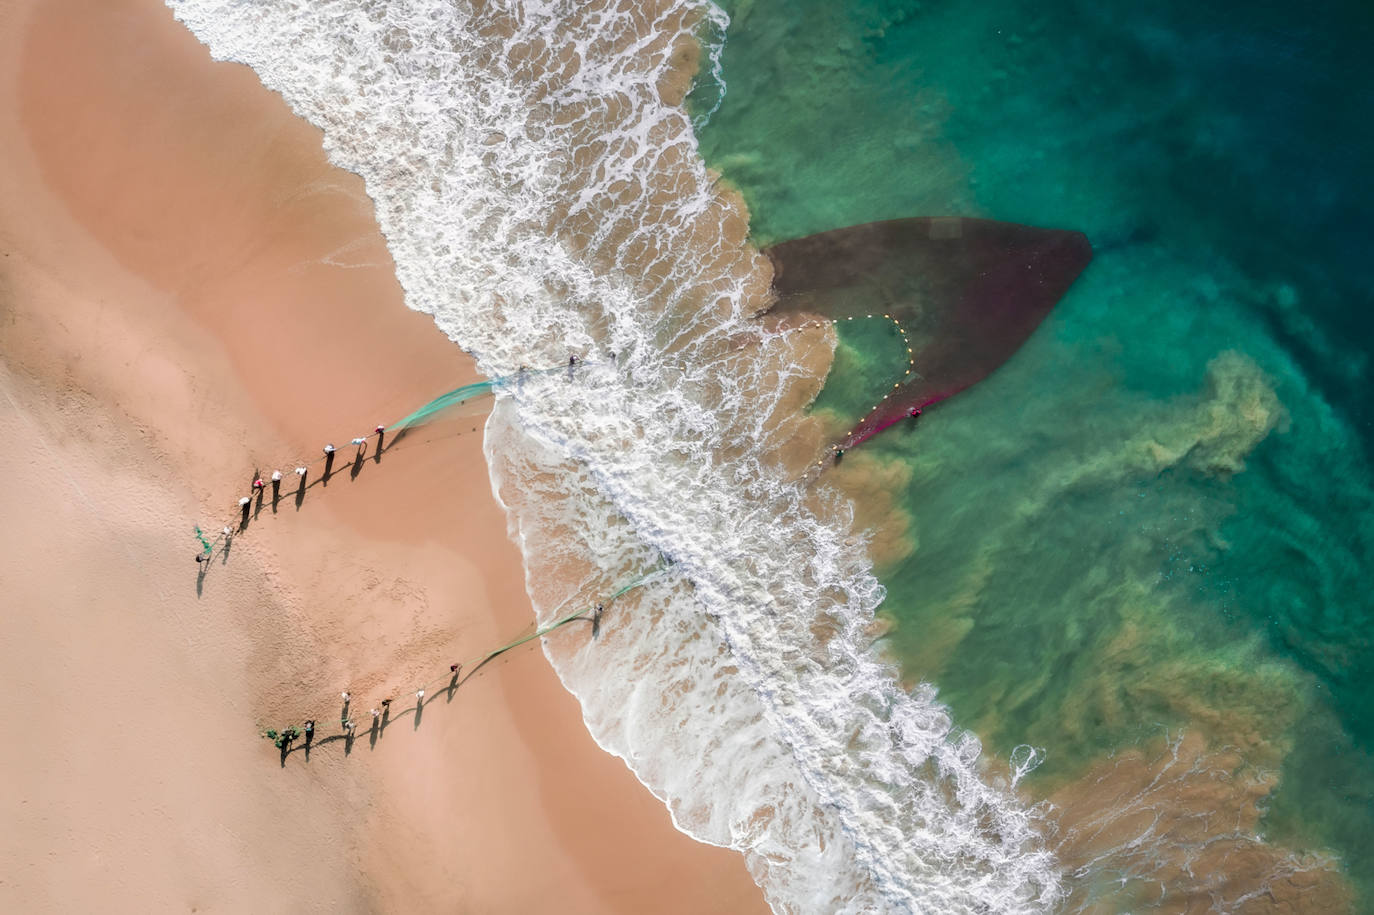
(968, 292)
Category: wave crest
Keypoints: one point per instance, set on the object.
(540, 190)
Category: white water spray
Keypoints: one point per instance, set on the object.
(541, 193)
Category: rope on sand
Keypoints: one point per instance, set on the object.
(471, 665)
(454, 398)
(439, 404)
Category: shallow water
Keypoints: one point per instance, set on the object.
(1154, 520)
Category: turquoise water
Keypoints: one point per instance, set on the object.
(1156, 517)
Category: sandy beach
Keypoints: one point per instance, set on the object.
(189, 295)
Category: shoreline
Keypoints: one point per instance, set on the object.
(190, 290)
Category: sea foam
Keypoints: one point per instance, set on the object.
(541, 193)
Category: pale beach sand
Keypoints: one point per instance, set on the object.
(189, 292)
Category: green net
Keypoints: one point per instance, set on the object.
(443, 402)
(466, 393)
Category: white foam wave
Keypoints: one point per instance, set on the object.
(712, 35)
(541, 193)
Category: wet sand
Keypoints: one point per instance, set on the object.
(190, 294)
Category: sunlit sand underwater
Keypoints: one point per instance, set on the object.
(1133, 557)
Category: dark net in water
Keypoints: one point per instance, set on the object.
(968, 292)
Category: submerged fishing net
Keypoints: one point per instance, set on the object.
(968, 292)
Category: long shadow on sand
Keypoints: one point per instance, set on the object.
(416, 711)
(246, 519)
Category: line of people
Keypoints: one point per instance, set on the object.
(286, 736)
(283, 738)
(259, 486)
(329, 451)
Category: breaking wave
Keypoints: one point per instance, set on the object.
(539, 186)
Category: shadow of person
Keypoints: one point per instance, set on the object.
(202, 569)
(348, 742)
(357, 465)
(328, 466)
(419, 710)
(285, 750)
(309, 738)
(374, 733)
(300, 493)
(452, 686)
(276, 495)
(243, 520)
(257, 505)
(381, 446)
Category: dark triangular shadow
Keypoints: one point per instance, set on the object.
(968, 292)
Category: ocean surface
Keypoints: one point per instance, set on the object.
(1091, 636)
(1155, 520)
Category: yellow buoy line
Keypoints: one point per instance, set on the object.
(835, 450)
